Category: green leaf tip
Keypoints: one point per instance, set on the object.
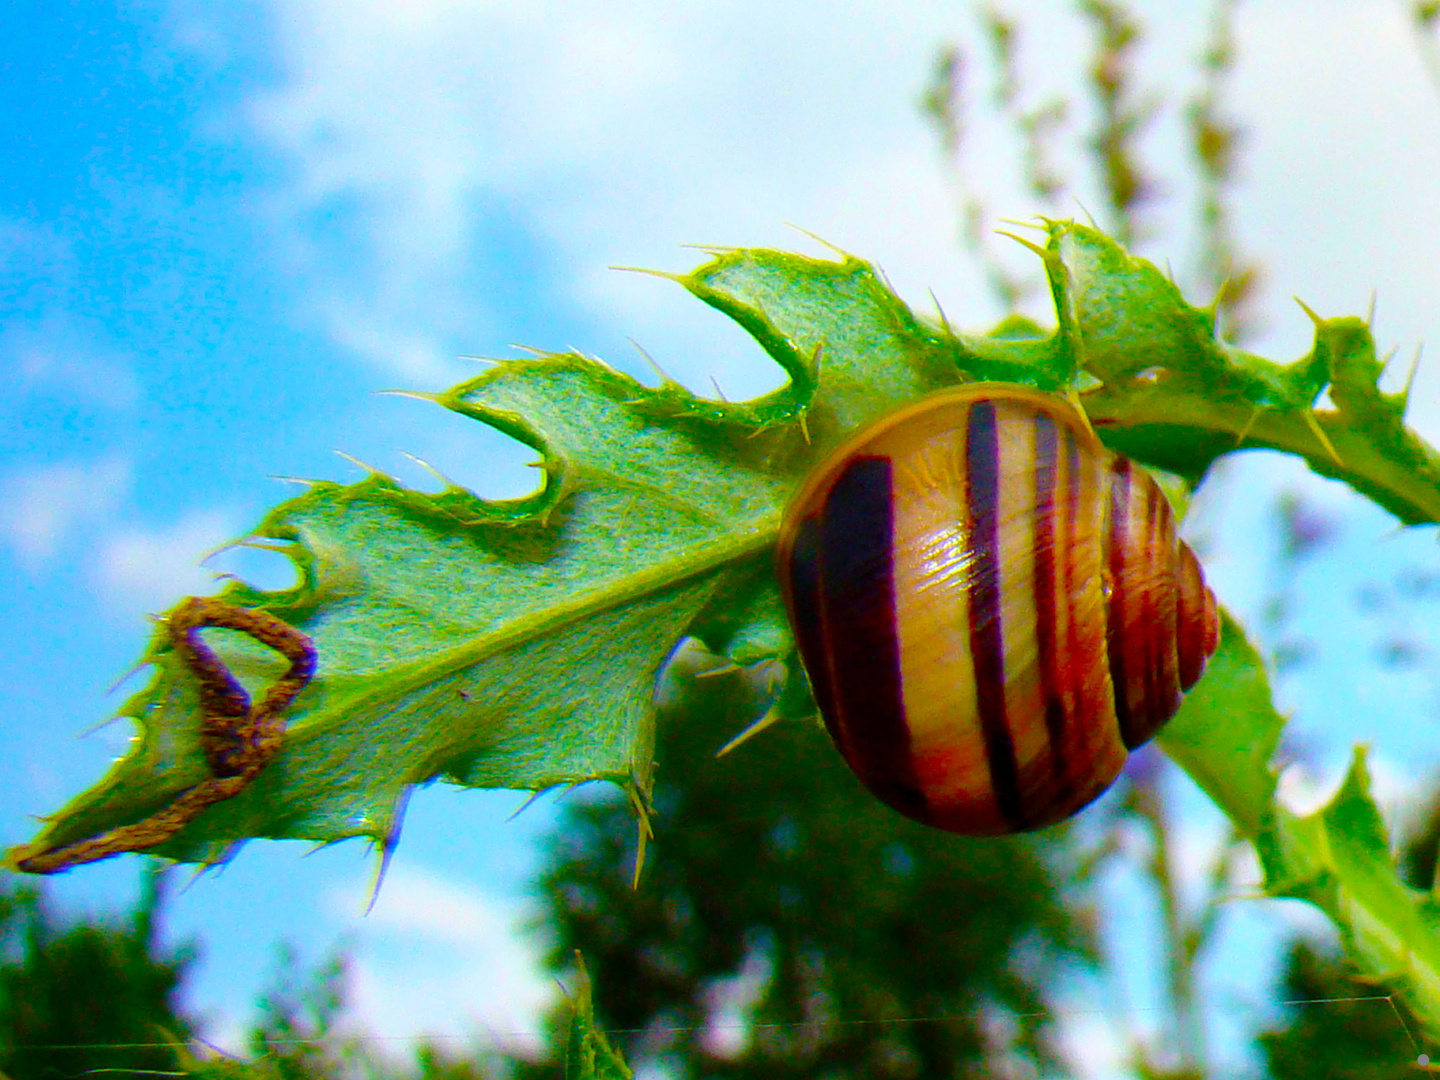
(588, 1053)
(1227, 732)
(1175, 396)
(1339, 858)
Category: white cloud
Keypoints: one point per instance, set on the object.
(56, 355)
(79, 506)
(440, 958)
(419, 903)
(27, 247)
(152, 568)
(47, 345)
(1091, 1044)
(44, 510)
(1331, 231)
(613, 134)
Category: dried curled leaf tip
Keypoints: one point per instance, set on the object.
(238, 737)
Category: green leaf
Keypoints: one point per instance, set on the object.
(1337, 858)
(516, 644)
(588, 1053)
(496, 644)
(1227, 730)
(1174, 396)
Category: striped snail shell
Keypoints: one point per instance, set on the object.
(993, 608)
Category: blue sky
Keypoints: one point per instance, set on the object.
(223, 225)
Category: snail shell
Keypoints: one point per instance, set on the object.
(993, 608)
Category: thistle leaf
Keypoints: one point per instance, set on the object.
(517, 643)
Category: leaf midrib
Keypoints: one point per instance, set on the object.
(400, 681)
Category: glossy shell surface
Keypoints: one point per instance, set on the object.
(993, 609)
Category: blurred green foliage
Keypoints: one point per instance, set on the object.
(1338, 1028)
(789, 925)
(78, 997)
(1334, 1024)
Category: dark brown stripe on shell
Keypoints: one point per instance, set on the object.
(1192, 618)
(1079, 639)
(1165, 687)
(1117, 537)
(804, 570)
(858, 615)
(1145, 632)
(1046, 587)
(987, 639)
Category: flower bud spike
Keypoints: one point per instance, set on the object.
(1410, 381)
(819, 240)
(387, 848)
(1044, 253)
(726, 667)
(527, 804)
(1073, 396)
(1319, 433)
(431, 469)
(653, 273)
(665, 379)
(709, 249)
(644, 832)
(1249, 423)
(360, 464)
(1316, 319)
(944, 321)
(1042, 227)
(770, 719)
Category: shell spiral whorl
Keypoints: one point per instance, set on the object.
(992, 607)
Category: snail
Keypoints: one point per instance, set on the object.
(992, 607)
